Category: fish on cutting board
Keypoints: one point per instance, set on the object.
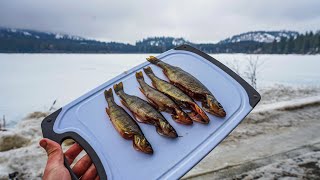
(145, 113)
(125, 125)
(190, 85)
(182, 99)
(162, 102)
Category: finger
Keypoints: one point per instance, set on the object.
(82, 165)
(73, 152)
(97, 177)
(91, 173)
(54, 152)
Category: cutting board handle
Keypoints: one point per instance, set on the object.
(47, 131)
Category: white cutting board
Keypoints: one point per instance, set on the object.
(172, 158)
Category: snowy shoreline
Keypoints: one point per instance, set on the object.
(20, 152)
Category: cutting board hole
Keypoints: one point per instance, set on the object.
(78, 160)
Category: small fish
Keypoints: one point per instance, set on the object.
(125, 125)
(190, 85)
(162, 102)
(145, 113)
(182, 99)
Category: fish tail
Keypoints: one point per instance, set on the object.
(148, 70)
(153, 60)
(108, 94)
(118, 87)
(158, 62)
(139, 75)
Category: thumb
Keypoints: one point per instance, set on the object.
(54, 152)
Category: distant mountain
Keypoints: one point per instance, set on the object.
(21, 40)
(10, 32)
(269, 42)
(260, 36)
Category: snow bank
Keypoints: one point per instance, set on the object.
(20, 152)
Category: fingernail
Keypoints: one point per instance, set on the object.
(43, 143)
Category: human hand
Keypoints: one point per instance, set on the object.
(55, 169)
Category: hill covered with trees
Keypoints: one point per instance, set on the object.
(260, 42)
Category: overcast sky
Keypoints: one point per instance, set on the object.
(131, 20)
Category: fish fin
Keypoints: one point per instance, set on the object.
(153, 60)
(148, 70)
(124, 103)
(141, 90)
(108, 111)
(139, 75)
(202, 114)
(153, 84)
(108, 94)
(139, 119)
(196, 117)
(118, 87)
(166, 73)
(154, 105)
(181, 117)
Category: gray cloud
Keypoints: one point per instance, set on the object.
(128, 21)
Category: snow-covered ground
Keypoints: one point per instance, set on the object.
(283, 141)
(279, 139)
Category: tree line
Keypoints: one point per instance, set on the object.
(307, 43)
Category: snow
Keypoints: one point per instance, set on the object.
(178, 41)
(287, 104)
(160, 42)
(58, 36)
(271, 143)
(20, 152)
(26, 33)
(75, 37)
(261, 36)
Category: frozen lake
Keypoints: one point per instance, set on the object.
(31, 82)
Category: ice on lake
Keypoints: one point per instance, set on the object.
(31, 82)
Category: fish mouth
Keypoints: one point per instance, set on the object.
(172, 134)
(167, 130)
(147, 149)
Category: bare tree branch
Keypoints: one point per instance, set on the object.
(235, 66)
(252, 69)
(52, 106)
